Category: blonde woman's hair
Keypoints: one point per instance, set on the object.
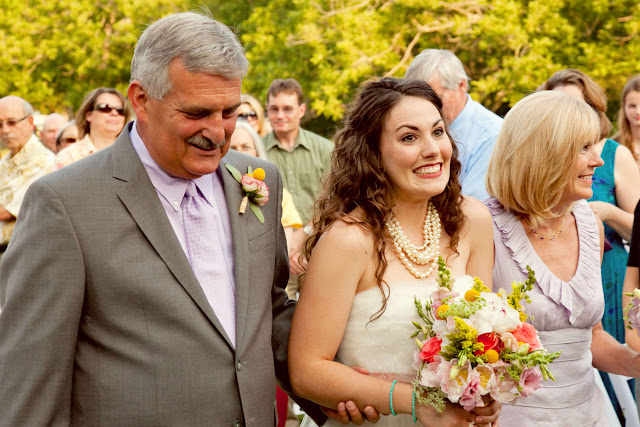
(537, 147)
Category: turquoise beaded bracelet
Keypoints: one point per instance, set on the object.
(413, 407)
(393, 384)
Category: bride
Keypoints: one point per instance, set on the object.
(390, 207)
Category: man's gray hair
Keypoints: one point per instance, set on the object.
(202, 44)
(437, 61)
(26, 107)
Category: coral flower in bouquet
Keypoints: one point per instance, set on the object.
(477, 344)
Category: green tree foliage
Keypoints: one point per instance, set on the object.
(508, 46)
(54, 52)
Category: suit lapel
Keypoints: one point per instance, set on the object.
(233, 195)
(141, 200)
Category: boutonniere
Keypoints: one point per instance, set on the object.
(256, 192)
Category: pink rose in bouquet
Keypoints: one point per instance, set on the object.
(471, 396)
(530, 381)
(527, 334)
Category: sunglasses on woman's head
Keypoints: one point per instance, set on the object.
(106, 108)
(69, 140)
(246, 116)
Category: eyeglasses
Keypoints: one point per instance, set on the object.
(106, 108)
(273, 111)
(246, 116)
(12, 122)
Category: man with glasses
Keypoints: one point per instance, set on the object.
(303, 158)
(27, 161)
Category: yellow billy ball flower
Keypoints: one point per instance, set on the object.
(259, 174)
(492, 356)
(441, 310)
(471, 295)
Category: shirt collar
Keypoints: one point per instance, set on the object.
(170, 187)
(465, 114)
(301, 140)
(25, 152)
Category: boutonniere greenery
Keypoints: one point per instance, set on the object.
(256, 192)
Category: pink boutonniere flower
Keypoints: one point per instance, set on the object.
(256, 192)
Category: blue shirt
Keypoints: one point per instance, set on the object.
(475, 131)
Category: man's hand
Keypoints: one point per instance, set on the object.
(349, 413)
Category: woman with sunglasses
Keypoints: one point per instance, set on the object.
(252, 111)
(100, 120)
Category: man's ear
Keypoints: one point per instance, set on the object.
(303, 110)
(138, 98)
(464, 85)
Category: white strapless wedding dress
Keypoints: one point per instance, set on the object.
(385, 344)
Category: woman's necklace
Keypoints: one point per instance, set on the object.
(427, 253)
(550, 236)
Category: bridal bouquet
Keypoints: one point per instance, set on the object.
(477, 344)
(632, 311)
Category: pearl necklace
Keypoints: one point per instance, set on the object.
(427, 253)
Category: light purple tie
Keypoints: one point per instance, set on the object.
(206, 257)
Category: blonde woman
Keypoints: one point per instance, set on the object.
(539, 178)
(616, 192)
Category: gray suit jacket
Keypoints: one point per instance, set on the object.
(104, 323)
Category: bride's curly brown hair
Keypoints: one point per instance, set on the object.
(358, 180)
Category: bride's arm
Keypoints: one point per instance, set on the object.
(340, 260)
(479, 232)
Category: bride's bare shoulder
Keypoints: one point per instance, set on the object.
(350, 233)
(476, 213)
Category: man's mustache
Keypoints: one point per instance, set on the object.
(204, 143)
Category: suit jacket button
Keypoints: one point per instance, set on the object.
(239, 366)
(237, 424)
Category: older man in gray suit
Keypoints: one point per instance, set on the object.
(133, 292)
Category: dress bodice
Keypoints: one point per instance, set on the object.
(384, 345)
(563, 313)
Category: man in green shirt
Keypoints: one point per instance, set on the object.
(303, 158)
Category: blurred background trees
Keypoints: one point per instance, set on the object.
(55, 51)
